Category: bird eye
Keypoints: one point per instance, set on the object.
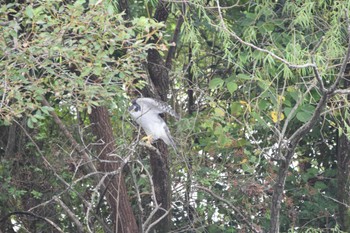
(137, 107)
(134, 107)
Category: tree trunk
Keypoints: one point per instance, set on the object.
(160, 166)
(158, 71)
(162, 185)
(277, 196)
(343, 163)
(343, 156)
(123, 217)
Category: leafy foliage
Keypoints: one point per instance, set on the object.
(250, 68)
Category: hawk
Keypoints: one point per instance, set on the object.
(145, 111)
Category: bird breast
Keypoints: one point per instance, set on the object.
(152, 124)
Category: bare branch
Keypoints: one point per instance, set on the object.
(294, 109)
(321, 104)
(172, 49)
(298, 134)
(318, 76)
(157, 206)
(34, 215)
(80, 150)
(341, 92)
(158, 220)
(346, 59)
(70, 214)
(244, 219)
(4, 94)
(335, 200)
(233, 34)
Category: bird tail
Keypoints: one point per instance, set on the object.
(170, 142)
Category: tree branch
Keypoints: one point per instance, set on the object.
(244, 219)
(34, 215)
(233, 34)
(346, 59)
(172, 49)
(70, 214)
(80, 150)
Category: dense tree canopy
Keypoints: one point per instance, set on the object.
(261, 86)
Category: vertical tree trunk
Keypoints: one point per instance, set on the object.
(343, 171)
(162, 185)
(160, 166)
(277, 196)
(117, 197)
(343, 157)
(190, 103)
(158, 70)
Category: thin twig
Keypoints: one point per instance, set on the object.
(147, 225)
(341, 92)
(172, 49)
(3, 94)
(335, 200)
(34, 215)
(294, 109)
(244, 219)
(70, 214)
(346, 59)
(158, 220)
(318, 76)
(234, 35)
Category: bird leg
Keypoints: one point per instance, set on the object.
(148, 139)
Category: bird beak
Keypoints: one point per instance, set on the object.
(131, 108)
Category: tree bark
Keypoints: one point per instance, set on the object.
(160, 166)
(284, 163)
(343, 157)
(277, 195)
(158, 71)
(117, 197)
(343, 171)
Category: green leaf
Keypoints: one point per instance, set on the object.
(216, 83)
(30, 123)
(47, 110)
(303, 116)
(29, 11)
(218, 130)
(219, 112)
(232, 87)
(247, 168)
(236, 108)
(110, 9)
(244, 76)
(258, 118)
(264, 104)
(320, 185)
(36, 194)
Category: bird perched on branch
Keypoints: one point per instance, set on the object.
(145, 111)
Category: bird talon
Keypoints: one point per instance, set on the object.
(148, 139)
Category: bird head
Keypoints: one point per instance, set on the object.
(134, 109)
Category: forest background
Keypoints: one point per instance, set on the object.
(262, 88)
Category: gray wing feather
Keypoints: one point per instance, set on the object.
(170, 138)
(159, 106)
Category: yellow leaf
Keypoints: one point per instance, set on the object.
(243, 161)
(276, 116)
(219, 112)
(245, 103)
(280, 99)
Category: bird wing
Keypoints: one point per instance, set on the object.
(169, 139)
(158, 106)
